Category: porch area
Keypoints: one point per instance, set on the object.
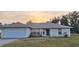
(40, 32)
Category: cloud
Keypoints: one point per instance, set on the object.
(24, 16)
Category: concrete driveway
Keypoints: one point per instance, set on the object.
(6, 41)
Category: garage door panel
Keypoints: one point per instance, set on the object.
(14, 33)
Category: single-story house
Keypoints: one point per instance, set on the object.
(18, 30)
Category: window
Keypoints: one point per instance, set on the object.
(59, 31)
(35, 33)
(38, 33)
(43, 32)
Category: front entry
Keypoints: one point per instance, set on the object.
(47, 32)
(40, 32)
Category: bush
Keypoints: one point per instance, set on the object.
(66, 35)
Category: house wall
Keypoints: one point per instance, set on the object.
(54, 32)
(67, 31)
(15, 33)
(25, 32)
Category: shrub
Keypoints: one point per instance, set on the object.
(66, 35)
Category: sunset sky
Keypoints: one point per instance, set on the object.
(24, 16)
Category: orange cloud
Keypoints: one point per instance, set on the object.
(39, 20)
(24, 16)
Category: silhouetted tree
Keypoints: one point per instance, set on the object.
(74, 21)
(55, 20)
(71, 19)
(0, 24)
(64, 21)
(29, 22)
(74, 17)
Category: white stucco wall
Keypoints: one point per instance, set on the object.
(54, 32)
(67, 31)
(25, 32)
(28, 32)
(15, 33)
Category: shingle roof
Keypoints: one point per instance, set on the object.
(47, 25)
(35, 25)
(17, 25)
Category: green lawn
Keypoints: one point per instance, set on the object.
(73, 41)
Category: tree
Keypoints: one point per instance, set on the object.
(55, 20)
(29, 22)
(64, 21)
(0, 24)
(74, 21)
(71, 19)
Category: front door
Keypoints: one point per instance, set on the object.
(47, 32)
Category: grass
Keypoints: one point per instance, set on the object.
(73, 41)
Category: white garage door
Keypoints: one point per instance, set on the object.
(15, 33)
